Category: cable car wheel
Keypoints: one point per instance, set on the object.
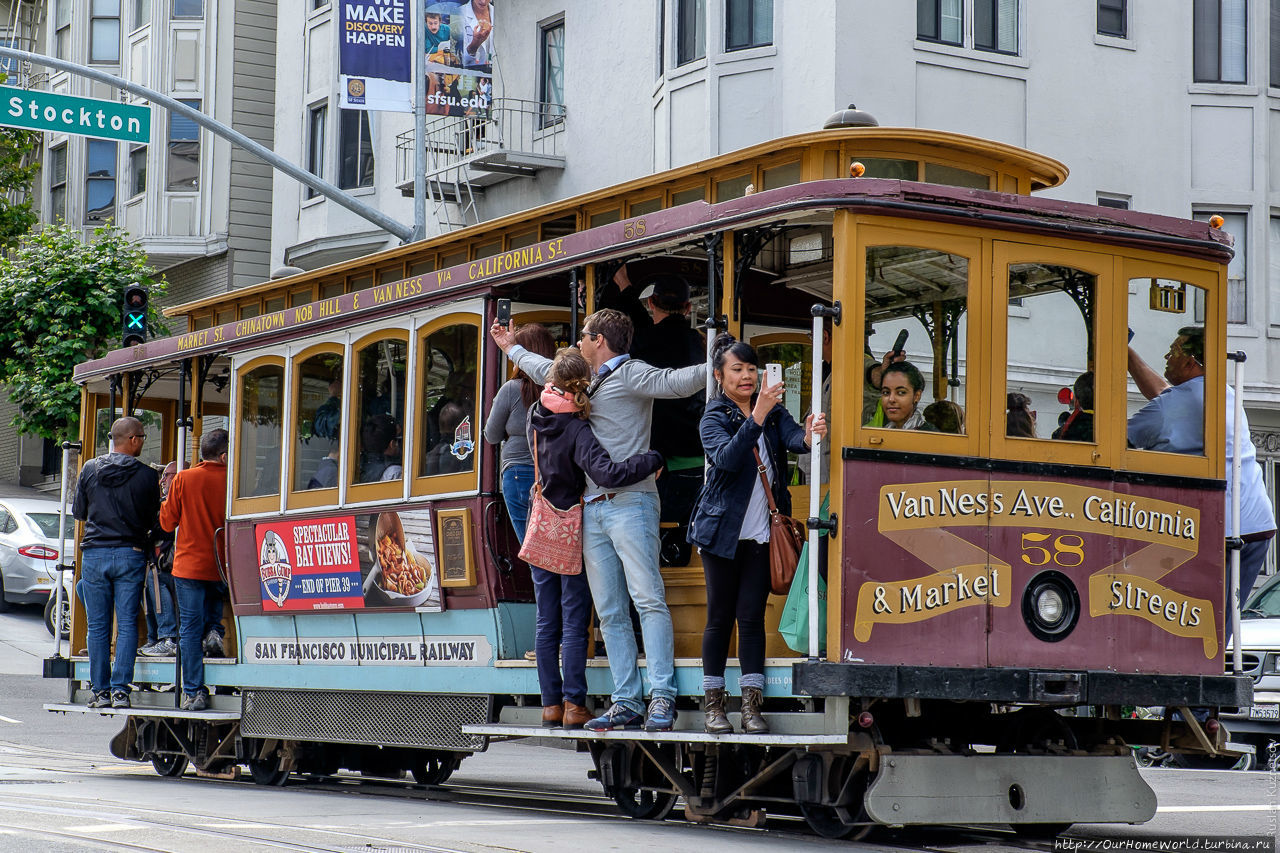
(645, 804)
(172, 764)
(267, 769)
(434, 767)
(848, 776)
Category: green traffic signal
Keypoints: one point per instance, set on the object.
(134, 315)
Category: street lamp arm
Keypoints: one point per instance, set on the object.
(328, 190)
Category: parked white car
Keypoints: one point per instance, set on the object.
(29, 550)
(1259, 725)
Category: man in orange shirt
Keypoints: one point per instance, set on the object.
(196, 508)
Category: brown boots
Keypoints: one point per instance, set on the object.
(752, 720)
(717, 723)
(570, 715)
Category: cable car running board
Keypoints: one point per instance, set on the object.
(1013, 789)
(691, 736)
(144, 711)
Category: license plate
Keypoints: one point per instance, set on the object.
(1264, 712)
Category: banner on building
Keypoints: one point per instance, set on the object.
(459, 62)
(375, 56)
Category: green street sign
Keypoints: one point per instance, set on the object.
(69, 114)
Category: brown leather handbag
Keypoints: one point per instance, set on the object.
(786, 538)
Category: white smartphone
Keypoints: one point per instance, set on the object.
(772, 374)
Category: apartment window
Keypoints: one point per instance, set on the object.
(1275, 43)
(1237, 225)
(1116, 202)
(184, 152)
(748, 23)
(100, 182)
(995, 25)
(940, 21)
(691, 30)
(662, 37)
(316, 119)
(355, 150)
(1273, 259)
(58, 183)
(1113, 18)
(138, 170)
(62, 27)
(1220, 36)
(188, 8)
(104, 30)
(141, 13)
(551, 81)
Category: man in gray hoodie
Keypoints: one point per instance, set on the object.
(620, 539)
(118, 499)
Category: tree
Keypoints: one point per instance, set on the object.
(18, 167)
(61, 304)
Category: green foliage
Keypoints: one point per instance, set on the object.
(18, 168)
(61, 304)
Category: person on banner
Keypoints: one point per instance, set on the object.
(659, 311)
(162, 611)
(620, 538)
(1173, 422)
(567, 453)
(196, 510)
(746, 433)
(477, 36)
(117, 498)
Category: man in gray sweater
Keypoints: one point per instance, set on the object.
(620, 538)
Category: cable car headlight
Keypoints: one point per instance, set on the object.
(1050, 606)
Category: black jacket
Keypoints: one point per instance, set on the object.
(118, 499)
(729, 436)
(567, 447)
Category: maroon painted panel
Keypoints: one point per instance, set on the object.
(938, 560)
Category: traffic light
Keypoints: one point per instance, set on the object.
(135, 315)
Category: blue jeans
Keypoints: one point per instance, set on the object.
(193, 607)
(162, 614)
(213, 608)
(620, 549)
(564, 609)
(517, 480)
(111, 580)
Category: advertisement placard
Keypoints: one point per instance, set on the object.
(375, 56)
(459, 63)
(349, 562)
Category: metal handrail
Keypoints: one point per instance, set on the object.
(513, 124)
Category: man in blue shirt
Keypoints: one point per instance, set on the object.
(1174, 422)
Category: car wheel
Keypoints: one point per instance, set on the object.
(4, 603)
(64, 621)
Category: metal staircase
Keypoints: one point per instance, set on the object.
(26, 19)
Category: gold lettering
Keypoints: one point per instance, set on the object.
(302, 315)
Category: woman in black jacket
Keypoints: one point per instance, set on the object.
(730, 523)
(567, 451)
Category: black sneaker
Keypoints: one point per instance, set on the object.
(198, 701)
(120, 699)
(661, 716)
(617, 717)
(101, 699)
(213, 645)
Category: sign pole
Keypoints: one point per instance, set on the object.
(217, 128)
(419, 23)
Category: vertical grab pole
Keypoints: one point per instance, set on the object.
(63, 564)
(573, 306)
(816, 526)
(713, 323)
(1235, 593)
(183, 423)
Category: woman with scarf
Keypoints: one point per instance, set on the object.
(568, 452)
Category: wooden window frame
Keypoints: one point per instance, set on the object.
(444, 484)
(306, 498)
(370, 492)
(263, 503)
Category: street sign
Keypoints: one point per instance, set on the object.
(70, 114)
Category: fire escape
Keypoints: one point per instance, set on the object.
(465, 154)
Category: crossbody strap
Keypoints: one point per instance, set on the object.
(768, 492)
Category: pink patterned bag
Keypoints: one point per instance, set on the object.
(552, 537)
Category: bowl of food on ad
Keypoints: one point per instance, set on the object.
(403, 576)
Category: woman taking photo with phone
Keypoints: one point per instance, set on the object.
(746, 436)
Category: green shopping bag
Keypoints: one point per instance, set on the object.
(794, 625)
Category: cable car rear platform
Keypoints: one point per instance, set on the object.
(170, 712)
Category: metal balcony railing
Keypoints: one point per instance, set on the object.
(518, 137)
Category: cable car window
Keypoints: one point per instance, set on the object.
(916, 312)
(450, 357)
(936, 173)
(258, 437)
(317, 422)
(380, 388)
(1039, 365)
(899, 170)
(1166, 366)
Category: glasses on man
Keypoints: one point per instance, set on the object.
(592, 335)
